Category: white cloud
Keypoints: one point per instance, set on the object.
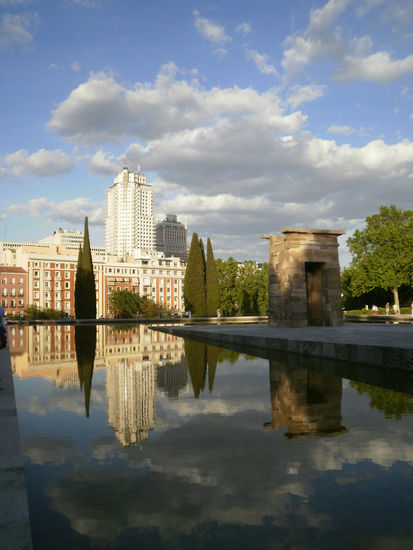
(43, 163)
(319, 39)
(344, 130)
(261, 62)
(52, 66)
(302, 94)
(210, 31)
(353, 58)
(75, 66)
(101, 110)
(104, 163)
(244, 28)
(14, 2)
(70, 211)
(378, 67)
(15, 30)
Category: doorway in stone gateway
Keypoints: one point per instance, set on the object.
(314, 285)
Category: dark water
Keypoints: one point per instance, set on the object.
(146, 441)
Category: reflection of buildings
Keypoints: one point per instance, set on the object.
(130, 389)
(134, 359)
(308, 403)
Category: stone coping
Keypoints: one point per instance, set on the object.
(15, 530)
(378, 345)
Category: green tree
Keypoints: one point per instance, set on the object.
(85, 292)
(124, 304)
(227, 271)
(383, 252)
(212, 283)
(194, 281)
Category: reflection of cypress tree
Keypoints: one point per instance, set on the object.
(196, 360)
(85, 341)
(392, 403)
(212, 359)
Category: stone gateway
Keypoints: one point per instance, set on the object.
(304, 282)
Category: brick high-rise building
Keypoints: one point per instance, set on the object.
(129, 223)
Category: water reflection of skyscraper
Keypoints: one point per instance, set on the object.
(307, 403)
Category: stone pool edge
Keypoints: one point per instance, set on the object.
(15, 530)
(321, 342)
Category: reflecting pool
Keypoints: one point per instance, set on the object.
(133, 438)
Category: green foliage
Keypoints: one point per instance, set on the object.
(124, 304)
(392, 403)
(382, 252)
(194, 281)
(33, 312)
(127, 305)
(85, 292)
(85, 343)
(243, 288)
(227, 271)
(212, 283)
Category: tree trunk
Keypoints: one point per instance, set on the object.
(396, 298)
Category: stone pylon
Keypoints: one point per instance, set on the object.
(304, 281)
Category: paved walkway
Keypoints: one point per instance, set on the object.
(379, 345)
(14, 512)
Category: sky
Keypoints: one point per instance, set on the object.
(245, 117)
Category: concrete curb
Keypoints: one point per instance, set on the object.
(389, 346)
(15, 530)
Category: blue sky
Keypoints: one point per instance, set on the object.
(246, 118)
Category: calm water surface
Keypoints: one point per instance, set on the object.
(137, 439)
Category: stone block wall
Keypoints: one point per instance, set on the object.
(304, 280)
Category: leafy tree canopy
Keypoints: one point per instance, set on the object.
(383, 252)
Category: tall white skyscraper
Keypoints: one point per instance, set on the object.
(129, 223)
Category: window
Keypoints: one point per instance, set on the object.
(21, 293)
(36, 274)
(13, 292)
(4, 281)
(67, 295)
(67, 275)
(12, 303)
(20, 303)
(13, 280)
(67, 285)
(4, 292)
(20, 280)
(4, 303)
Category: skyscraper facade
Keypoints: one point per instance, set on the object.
(129, 223)
(171, 237)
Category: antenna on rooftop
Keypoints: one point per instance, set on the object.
(139, 168)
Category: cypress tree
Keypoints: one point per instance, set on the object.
(194, 281)
(85, 292)
(79, 286)
(212, 283)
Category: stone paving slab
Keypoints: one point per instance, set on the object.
(15, 533)
(385, 345)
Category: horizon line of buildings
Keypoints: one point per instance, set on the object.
(137, 256)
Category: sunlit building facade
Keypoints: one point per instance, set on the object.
(129, 223)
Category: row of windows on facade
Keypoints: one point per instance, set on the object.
(12, 280)
(12, 291)
(11, 303)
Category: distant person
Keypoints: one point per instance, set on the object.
(387, 306)
(190, 314)
(375, 309)
(219, 312)
(395, 309)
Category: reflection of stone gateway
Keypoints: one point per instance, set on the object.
(307, 403)
(304, 284)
